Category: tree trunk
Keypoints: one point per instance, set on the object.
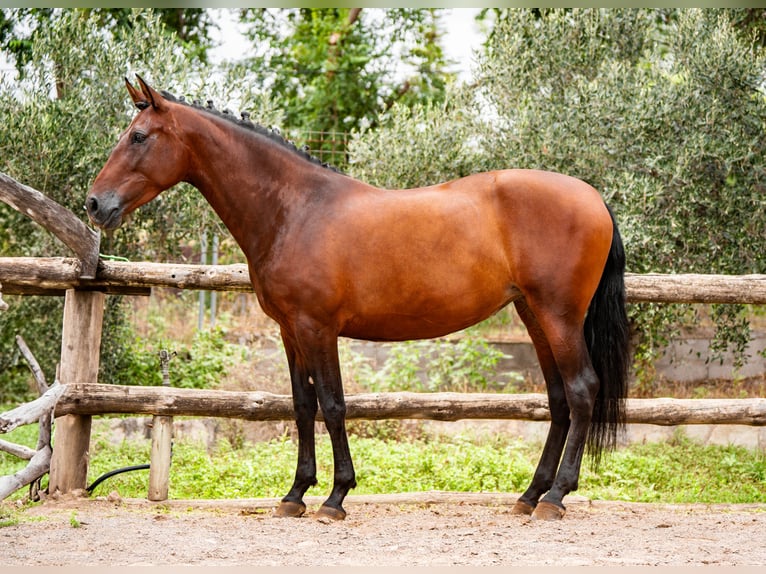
(81, 239)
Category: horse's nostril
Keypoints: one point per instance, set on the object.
(92, 205)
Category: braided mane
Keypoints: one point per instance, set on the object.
(244, 121)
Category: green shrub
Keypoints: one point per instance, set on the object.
(203, 364)
(662, 111)
(462, 365)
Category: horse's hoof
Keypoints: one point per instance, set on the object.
(289, 509)
(548, 511)
(329, 514)
(522, 507)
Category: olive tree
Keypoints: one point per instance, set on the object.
(57, 127)
(662, 111)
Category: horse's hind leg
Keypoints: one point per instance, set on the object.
(563, 328)
(305, 406)
(557, 434)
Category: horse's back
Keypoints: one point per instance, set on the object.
(421, 263)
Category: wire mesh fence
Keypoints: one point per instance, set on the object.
(328, 147)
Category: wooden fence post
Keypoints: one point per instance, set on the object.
(80, 350)
(159, 464)
(162, 442)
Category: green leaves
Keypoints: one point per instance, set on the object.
(663, 111)
(465, 365)
(419, 146)
(57, 127)
(335, 70)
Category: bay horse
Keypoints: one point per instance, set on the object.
(330, 256)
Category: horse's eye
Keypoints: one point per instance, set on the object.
(138, 138)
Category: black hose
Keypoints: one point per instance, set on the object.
(165, 357)
(111, 473)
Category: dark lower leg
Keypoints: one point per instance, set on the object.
(305, 405)
(344, 478)
(329, 390)
(581, 393)
(305, 473)
(557, 434)
(545, 472)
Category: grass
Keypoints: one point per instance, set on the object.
(8, 518)
(74, 522)
(679, 471)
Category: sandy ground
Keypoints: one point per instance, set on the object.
(436, 529)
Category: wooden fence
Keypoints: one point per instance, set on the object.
(86, 280)
(56, 275)
(90, 399)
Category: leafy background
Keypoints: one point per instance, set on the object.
(662, 110)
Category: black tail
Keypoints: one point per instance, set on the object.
(607, 335)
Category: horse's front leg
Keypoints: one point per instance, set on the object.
(321, 349)
(305, 406)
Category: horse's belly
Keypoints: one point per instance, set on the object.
(405, 319)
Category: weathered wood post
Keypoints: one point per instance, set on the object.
(80, 351)
(159, 462)
(162, 443)
(81, 337)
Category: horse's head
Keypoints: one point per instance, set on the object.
(148, 159)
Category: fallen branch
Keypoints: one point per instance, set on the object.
(18, 450)
(40, 410)
(37, 467)
(31, 412)
(37, 372)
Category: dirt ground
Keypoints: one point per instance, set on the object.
(396, 530)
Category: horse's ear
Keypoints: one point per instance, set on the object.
(153, 96)
(138, 98)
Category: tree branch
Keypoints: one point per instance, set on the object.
(18, 450)
(396, 96)
(56, 218)
(41, 409)
(353, 15)
(37, 467)
(31, 412)
(34, 366)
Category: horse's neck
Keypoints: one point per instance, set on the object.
(254, 186)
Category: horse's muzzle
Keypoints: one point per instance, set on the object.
(104, 211)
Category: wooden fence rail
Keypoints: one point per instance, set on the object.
(98, 399)
(29, 275)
